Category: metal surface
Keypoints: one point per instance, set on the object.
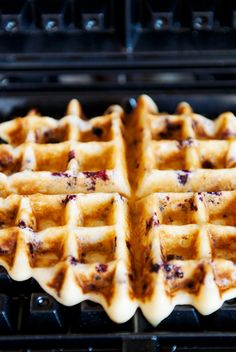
(78, 33)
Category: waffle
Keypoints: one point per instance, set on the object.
(186, 245)
(185, 152)
(127, 211)
(75, 246)
(70, 155)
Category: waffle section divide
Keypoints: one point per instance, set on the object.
(153, 274)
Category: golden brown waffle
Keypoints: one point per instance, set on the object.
(75, 246)
(121, 244)
(186, 245)
(183, 152)
(70, 155)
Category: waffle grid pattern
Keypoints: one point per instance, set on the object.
(123, 244)
(184, 152)
(190, 247)
(75, 246)
(70, 155)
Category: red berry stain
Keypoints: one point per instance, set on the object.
(185, 143)
(68, 198)
(153, 221)
(101, 268)
(61, 174)
(200, 197)
(94, 176)
(193, 207)
(173, 271)
(215, 193)
(22, 224)
(183, 176)
(73, 260)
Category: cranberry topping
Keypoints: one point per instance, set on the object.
(68, 198)
(73, 260)
(179, 273)
(193, 207)
(102, 175)
(34, 246)
(101, 268)
(181, 205)
(183, 176)
(94, 176)
(153, 221)
(185, 143)
(215, 193)
(173, 271)
(22, 224)
(200, 197)
(60, 174)
(167, 267)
